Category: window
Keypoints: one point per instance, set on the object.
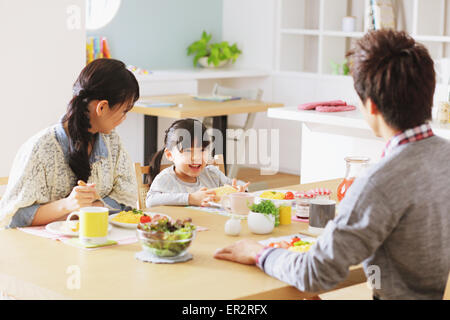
(100, 12)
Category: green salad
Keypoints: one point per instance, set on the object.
(267, 207)
(164, 238)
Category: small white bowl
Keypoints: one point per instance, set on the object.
(260, 223)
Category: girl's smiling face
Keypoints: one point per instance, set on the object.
(189, 163)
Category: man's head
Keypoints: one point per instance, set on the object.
(394, 78)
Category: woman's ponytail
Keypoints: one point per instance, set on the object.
(78, 125)
(102, 79)
(155, 166)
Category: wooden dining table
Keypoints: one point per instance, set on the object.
(33, 267)
(186, 106)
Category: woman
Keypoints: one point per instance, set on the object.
(80, 161)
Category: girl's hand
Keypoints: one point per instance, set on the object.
(81, 196)
(239, 188)
(201, 197)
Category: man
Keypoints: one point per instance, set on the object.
(396, 217)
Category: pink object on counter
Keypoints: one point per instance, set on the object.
(313, 105)
(321, 191)
(335, 108)
(295, 218)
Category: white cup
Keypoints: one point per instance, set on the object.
(237, 203)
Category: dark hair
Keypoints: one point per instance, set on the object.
(102, 79)
(182, 134)
(397, 74)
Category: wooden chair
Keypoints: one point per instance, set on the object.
(250, 94)
(3, 182)
(447, 289)
(142, 171)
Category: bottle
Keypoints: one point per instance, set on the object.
(233, 226)
(354, 167)
(443, 112)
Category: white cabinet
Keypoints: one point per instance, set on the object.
(309, 36)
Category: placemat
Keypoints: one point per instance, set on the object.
(121, 236)
(215, 211)
(77, 243)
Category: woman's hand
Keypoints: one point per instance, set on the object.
(201, 197)
(243, 251)
(84, 195)
(239, 188)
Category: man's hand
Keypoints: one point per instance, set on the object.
(243, 251)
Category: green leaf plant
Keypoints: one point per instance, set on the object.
(216, 52)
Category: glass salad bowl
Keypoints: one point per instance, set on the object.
(165, 238)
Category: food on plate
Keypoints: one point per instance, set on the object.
(289, 196)
(277, 195)
(165, 238)
(221, 191)
(70, 226)
(76, 228)
(296, 244)
(133, 217)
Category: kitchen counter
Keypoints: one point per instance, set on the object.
(327, 138)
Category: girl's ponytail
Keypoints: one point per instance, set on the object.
(155, 166)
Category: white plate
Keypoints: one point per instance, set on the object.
(133, 225)
(288, 239)
(57, 228)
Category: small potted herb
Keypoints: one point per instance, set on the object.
(263, 217)
(212, 55)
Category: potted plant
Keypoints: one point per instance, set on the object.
(263, 217)
(212, 54)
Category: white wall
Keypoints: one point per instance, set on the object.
(40, 58)
(251, 24)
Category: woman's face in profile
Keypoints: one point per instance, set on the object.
(109, 118)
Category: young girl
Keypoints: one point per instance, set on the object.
(188, 180)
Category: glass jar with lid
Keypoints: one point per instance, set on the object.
(302, 204)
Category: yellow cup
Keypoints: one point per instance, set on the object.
(93, 224)
(285, 214)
